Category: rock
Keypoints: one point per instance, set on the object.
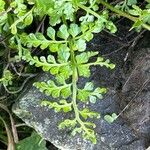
(136, 92)
(45, 121)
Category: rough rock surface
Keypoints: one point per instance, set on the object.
(110, 136)
(126, 133)
(136, 91)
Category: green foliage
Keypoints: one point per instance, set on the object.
(131, 2)
(61, 106)
(86, 113)
(51, 89)
(71, 24)
(88, 93)
(69, 44)
(33, 142)
(110, 118)
(143, 16)
(7, 78)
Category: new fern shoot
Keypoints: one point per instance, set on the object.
(70, 25)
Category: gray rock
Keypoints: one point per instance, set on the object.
(136, 91)
(44, 121)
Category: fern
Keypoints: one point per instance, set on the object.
(71, 62)
(65, 40)
(69, 43)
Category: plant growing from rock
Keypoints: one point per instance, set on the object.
(72, 24)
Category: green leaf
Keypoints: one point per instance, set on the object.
(50, 88)
(80, 45)
(43, 6)
(84, 57)
(34, 142)
(90, 124)
(92, 2)
(7, 78)
(110, 118)
(100, 61)
(89, 134)
(92, 99)
(84, 27)
(133, 12)
(148, 6)
(97, 93)
(87, 93)
(110, 26)
(38, 39)
(63, 105)
(2, 5)
(48, 65)
(66, 92)
(99, 26)
(31, 2)
(74, 30)
(63, 56)
(135, 7)
(84, 71)
(85, 113)
(54, 47)
(75, 131)
(68, 123)
(89, 86)
(87, 18)
(60, 79)
(13, 29)
(34, 40)
(69, 11)
(83, 95)
(88, 36)
(64, 39)
(55, 19)
(65, 71)
(51, 59)
(51, 33)
(28, 20)
(95, 7)
(63, 32)
(131, 2)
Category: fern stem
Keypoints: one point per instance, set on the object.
(123, 14)
(58, 87)
(117, 11)
(48, 41)
(83, 34)
(74, 82)
(88, 10)
(74, 91)
(50, 65)
(94, 64)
